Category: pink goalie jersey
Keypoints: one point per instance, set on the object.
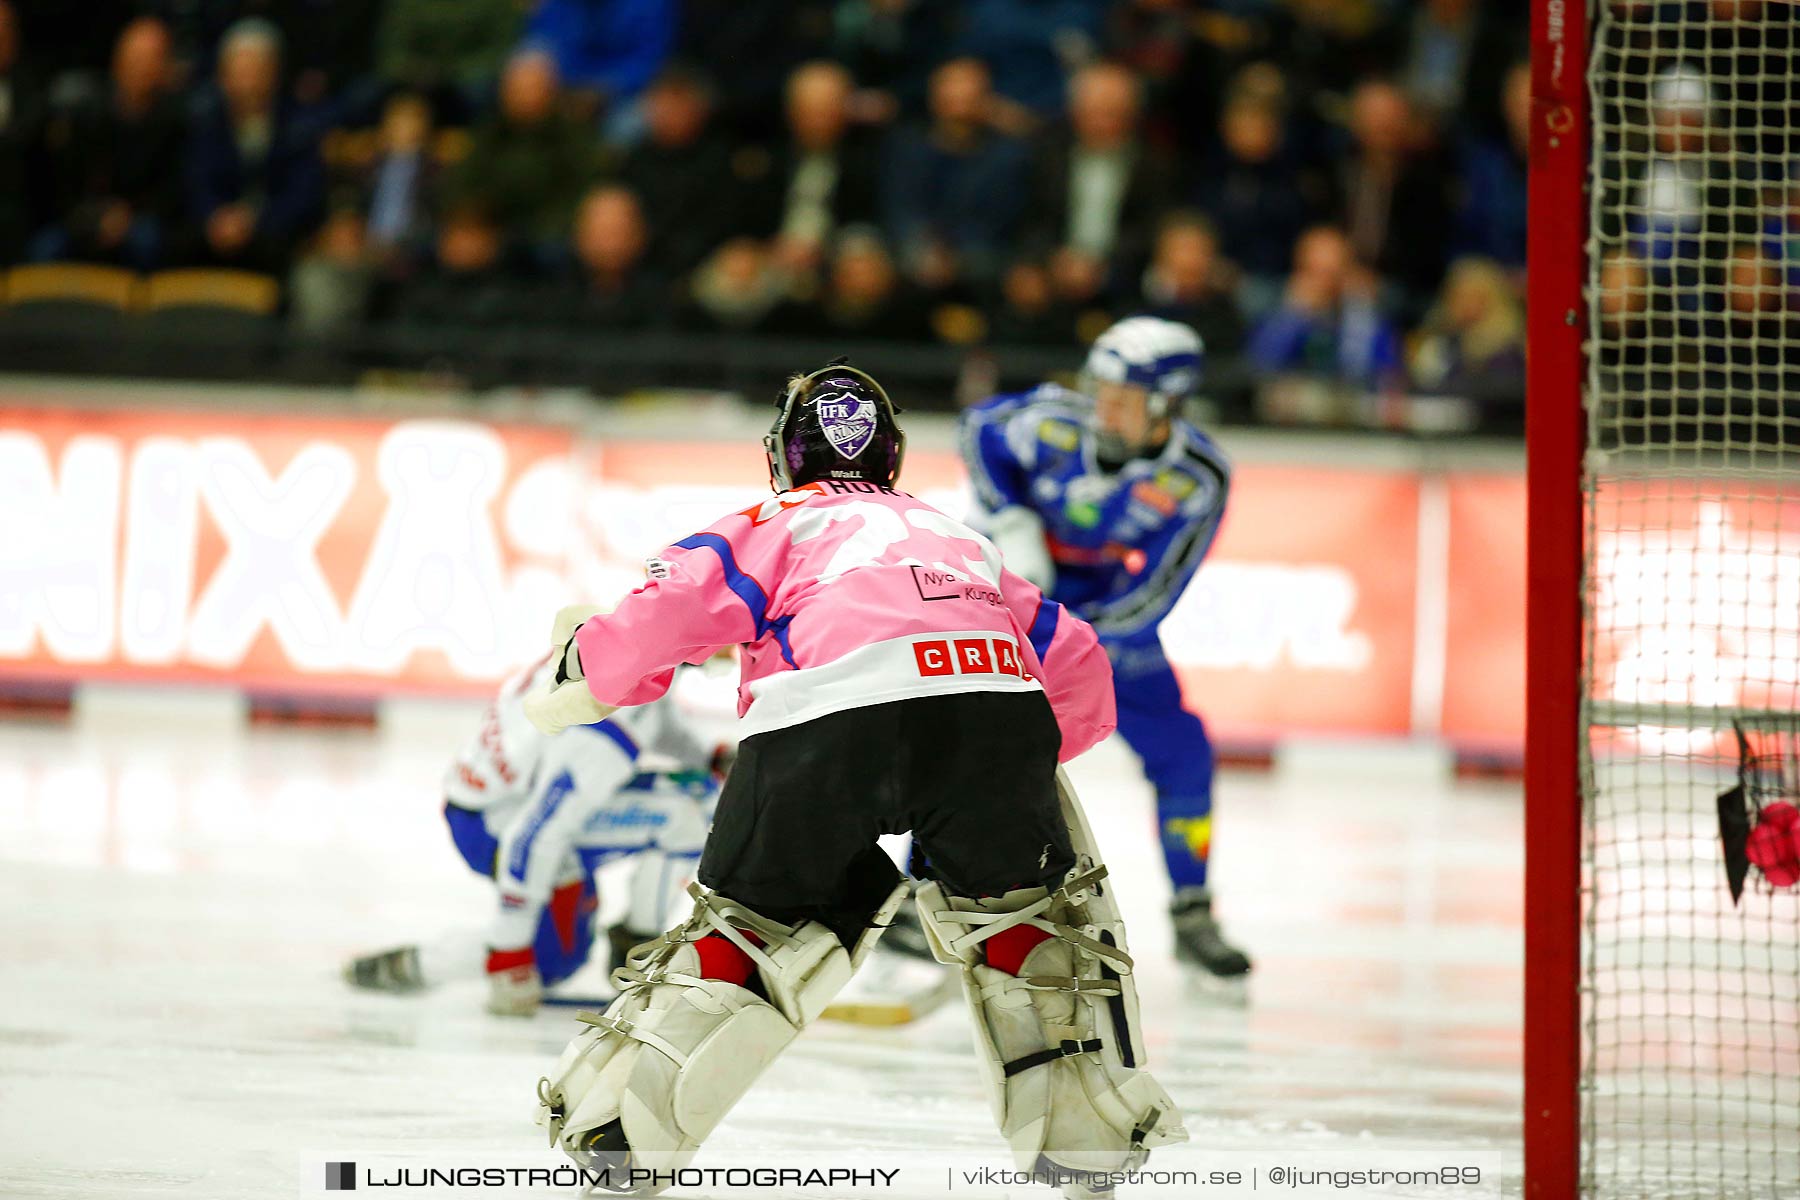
(847, 594)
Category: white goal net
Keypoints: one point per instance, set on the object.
(1691, 999)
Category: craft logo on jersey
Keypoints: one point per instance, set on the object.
(969, 656)
(848, 421)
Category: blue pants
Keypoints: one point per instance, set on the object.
(1176, 753)
(565, 932)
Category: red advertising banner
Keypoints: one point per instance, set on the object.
(364, 556)
(272, 552)
(1484, 644)
(1301, 619)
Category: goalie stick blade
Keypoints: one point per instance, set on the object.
(900, 1009)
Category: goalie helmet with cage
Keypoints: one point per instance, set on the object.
(834, 423)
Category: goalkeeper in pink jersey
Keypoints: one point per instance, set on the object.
(894, 678)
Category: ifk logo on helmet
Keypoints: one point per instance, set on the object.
(848, 420)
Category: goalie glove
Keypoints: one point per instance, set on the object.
(564, 700)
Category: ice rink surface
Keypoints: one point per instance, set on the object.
(179, 893)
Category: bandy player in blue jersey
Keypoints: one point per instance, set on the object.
(1108, 500)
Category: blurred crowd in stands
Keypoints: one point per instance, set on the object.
(1334, 188)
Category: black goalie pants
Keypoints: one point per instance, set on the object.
(970, 775)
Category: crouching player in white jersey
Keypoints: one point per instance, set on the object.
(895, 678)
(540, 815)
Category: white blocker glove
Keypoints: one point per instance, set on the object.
(564, 699)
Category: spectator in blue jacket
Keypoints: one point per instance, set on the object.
(255, 182)
(1329, 323)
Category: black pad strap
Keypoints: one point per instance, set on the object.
(1066, 1049)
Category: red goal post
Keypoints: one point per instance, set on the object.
(1555, 436)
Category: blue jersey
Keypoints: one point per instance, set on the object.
(1125, 543)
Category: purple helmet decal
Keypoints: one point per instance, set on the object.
(847, 416)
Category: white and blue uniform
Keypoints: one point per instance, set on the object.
(1123, 540)
(540, 814)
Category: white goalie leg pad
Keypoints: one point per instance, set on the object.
(1060, 1043)
(670, 1056)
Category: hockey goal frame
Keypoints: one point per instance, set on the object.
(1555, 437)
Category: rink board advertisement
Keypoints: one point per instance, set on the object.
(362, 556)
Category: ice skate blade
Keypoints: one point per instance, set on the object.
(1231, 990)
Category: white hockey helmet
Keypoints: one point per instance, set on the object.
(1164, 358)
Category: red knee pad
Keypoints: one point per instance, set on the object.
(1007, 949)
(722, 958)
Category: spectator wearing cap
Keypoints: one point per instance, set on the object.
(1329, 324)
(116, 198)
(451, 51)
(1098, 187)
(954, 187)
(682, 171)
(824, 174)
(255, 182)
(527, 164)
